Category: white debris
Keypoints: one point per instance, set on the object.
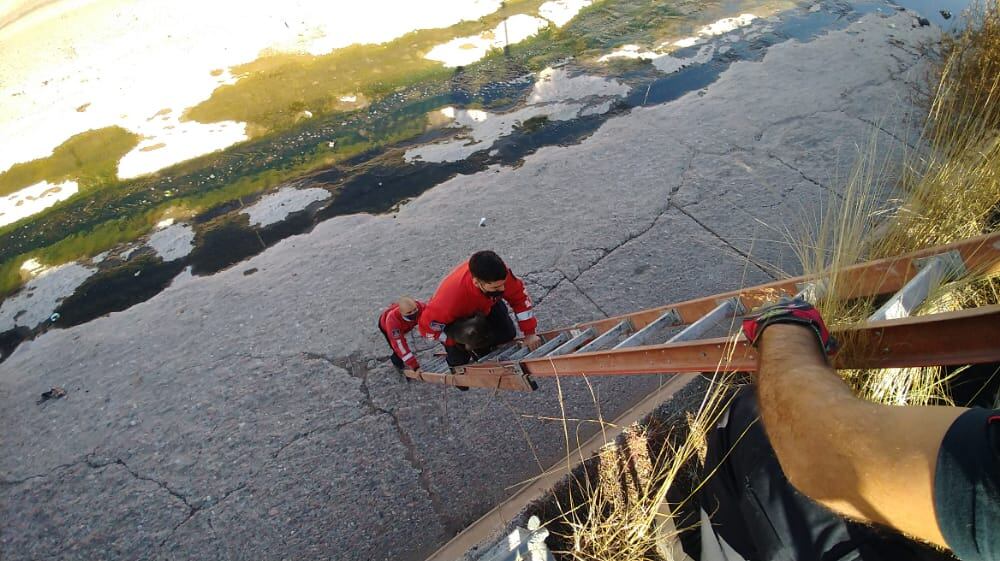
(466, 50)
(34, 303)
(173, 242)
(275, 207)
(30, 200)
(560, 12)
(556, 84)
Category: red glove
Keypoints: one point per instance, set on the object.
(788, 310)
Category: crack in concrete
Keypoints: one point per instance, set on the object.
(306, 434)
(13, 482)
(163, 485)
(764, 269)
(194, 509)
(357, 368)
(584, 294)
(804, 176)
(887, 132)
(633, 235)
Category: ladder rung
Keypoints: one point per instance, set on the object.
(495, 354)
(519, 354)
(811, 291)
(935, 271)
(548, 346)
(727, 308)
(642, 336)
(575, 343)
(514, 350)
(608, 337)
(436, 364)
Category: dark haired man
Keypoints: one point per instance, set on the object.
(480, 284)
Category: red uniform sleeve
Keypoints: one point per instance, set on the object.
(517, 296)
(395, 329)
(432, 321)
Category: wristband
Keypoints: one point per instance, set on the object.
(788, 310)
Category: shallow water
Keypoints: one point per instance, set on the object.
(931, 9)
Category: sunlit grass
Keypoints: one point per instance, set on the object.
(272, 91)
(950, 191)
(89, 158)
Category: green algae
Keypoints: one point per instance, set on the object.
(89, 158)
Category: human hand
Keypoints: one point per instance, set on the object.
(532, 342)
(788, 310)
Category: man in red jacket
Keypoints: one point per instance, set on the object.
(479, 285)
(395, 322)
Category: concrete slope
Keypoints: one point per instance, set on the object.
(249, 415)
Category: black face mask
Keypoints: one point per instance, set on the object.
(493, 293)
(410, 318)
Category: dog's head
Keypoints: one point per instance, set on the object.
(471, 332)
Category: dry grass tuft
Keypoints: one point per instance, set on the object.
(950, 190)
(619, 510)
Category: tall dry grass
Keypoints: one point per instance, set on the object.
(619, 509)
(949, 190)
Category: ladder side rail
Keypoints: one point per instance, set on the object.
(949, 338)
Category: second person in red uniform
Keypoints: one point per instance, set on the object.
(481, 284)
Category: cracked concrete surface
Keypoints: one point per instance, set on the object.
(254, 417)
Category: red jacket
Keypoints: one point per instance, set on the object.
(457, 297)
(396, 328)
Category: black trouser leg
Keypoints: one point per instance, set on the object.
(762, 516)
(501, 327)
(457, 356)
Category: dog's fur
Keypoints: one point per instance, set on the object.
(471, 332)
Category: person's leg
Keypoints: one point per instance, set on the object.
(757, 513)
(393, 357)
(457, 356)
(501, 327)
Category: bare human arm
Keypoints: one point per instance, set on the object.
(864, 460)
